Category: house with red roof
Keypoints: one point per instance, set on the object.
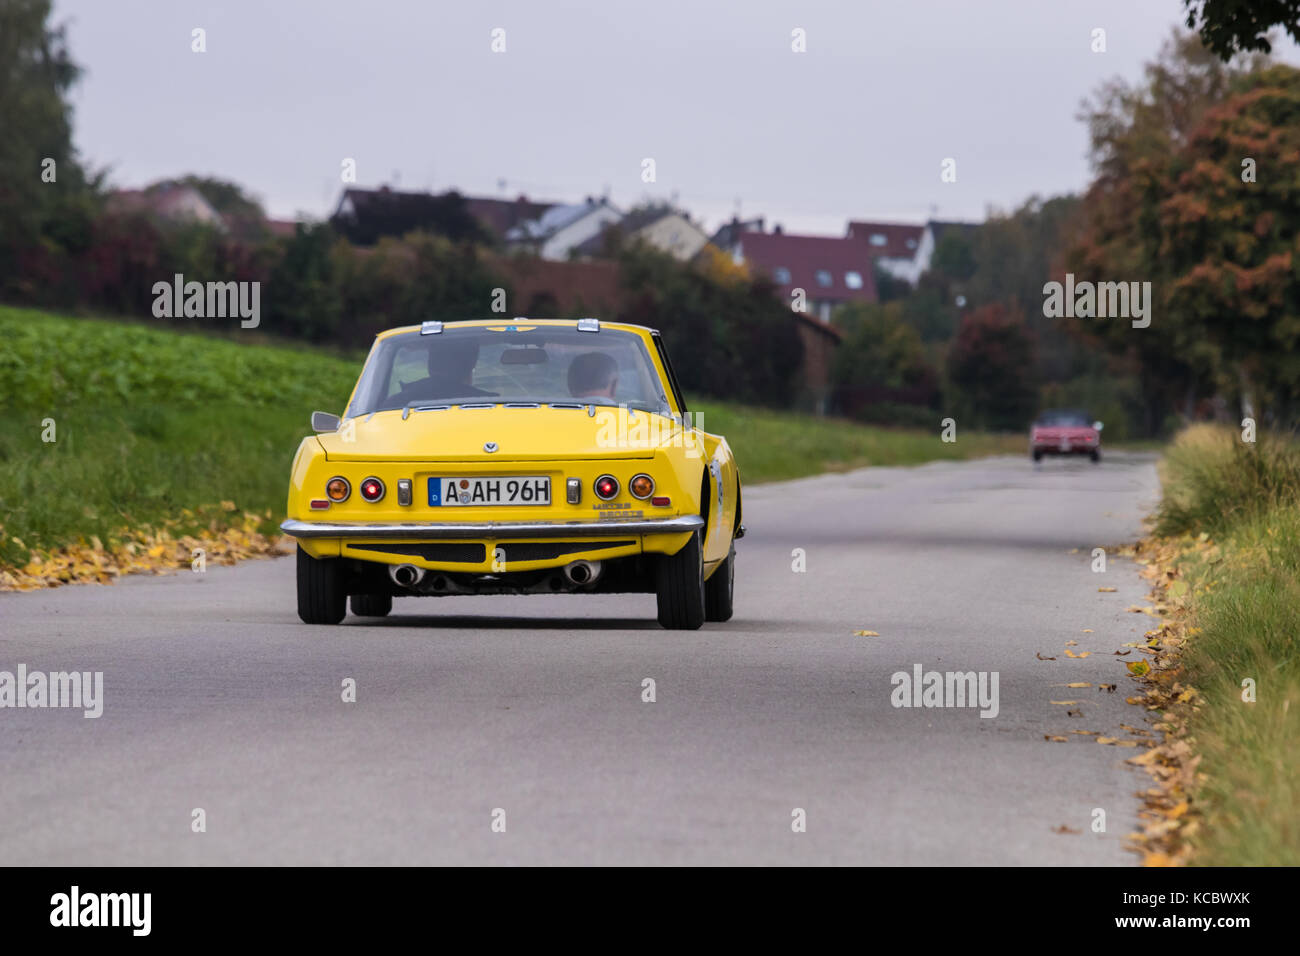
(828, 270)
(903, 250)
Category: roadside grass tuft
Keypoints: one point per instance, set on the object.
(1245, 612)
(1212, 479)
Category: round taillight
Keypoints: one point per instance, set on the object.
(606, 487)
(641, 486)
(337, 489)
(372, 489)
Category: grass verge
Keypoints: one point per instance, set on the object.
(1226, 675)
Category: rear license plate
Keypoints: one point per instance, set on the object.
(507, 490)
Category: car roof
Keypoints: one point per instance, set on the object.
(555, 323)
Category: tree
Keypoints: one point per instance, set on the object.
(302, 295)
(36, 73)
(878, 348)
(991, 367)
(1138, 133)
(1231, 238)
(733, 339)
(1229, 27)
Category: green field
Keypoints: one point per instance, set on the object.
(150, 422)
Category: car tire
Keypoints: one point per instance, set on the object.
(680, 587)
(1095, 456)
(372, 605)
(321, 598)
(719, 590)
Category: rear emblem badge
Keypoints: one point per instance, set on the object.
(490, 447)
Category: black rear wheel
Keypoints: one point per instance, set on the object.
(719, 588)
(680, 587)
(321, 597)
(372, 605)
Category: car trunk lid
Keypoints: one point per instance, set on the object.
(515, 433)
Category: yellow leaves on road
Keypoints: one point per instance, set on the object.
(1064, 703)
(1042, 658)
(228, 537)
(1116, 742)
(1054, 739)
(1138, 668)
(865, 634)
(1107, 590)
(1079, 656)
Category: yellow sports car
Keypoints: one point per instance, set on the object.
(524, 456)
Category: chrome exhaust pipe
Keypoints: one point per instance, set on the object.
(407, 575)
(582, 572)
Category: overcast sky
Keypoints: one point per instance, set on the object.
(856, 127)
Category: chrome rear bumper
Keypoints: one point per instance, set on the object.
(491, 529)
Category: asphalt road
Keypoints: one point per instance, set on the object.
(216, 697)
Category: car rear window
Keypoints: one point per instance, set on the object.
(509, 364)
(1064, 420)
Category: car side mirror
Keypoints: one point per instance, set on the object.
(1098, 425)
(324, 422)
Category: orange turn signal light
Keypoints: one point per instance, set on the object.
(338, 489)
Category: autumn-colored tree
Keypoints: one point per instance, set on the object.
(991, 369)
(720, 267)
(1231, 237)
(1140, 135)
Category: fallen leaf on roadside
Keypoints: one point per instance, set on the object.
(1063, 703)
(1074, 713)
(1076, 684)
(1087, 630)
(1110, 688)
(1054, 739)
(1071, 643)
(1106, 590)
(1138, 668)
(1079, 656)
(1123, 653)
(1064, 829)
(1042, 658)
(865, 634)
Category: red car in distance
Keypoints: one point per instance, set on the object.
(1065, 432)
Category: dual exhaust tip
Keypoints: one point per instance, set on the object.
(578, 573)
